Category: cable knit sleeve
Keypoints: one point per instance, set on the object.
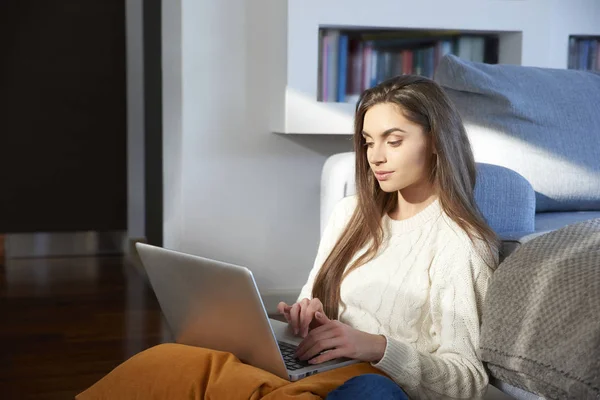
(340, 216)
(459, 279)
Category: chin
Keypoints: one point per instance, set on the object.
(389, 187)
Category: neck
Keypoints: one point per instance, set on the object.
(411, 201)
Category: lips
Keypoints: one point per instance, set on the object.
(383, 175)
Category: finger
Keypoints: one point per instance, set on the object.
(307, 317)
(284, 309)
(281, 307)
(295, 317)
(312, 339)
(287, 316)
(296, 314)
(304, 316)
(320, 346)
(304, 303)
(328, 356)
(321, 317)
(325, 324)
(313, 323)
(319, 320)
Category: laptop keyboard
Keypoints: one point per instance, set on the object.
(291, 362)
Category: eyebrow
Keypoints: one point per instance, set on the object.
(386, 133)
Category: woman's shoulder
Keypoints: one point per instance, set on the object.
(348, 204)
(456, 239)
(340, 216)
(344, 208)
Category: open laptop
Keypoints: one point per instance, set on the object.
(216, 305)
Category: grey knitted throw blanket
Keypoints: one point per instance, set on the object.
(541, 317)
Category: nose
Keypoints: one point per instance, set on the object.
(377, 155)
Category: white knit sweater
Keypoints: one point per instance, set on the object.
(424, 292)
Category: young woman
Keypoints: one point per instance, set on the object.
(403, 266)
(398, 282)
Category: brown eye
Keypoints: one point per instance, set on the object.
(369, 145)
(395, 143)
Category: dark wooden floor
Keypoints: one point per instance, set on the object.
(65, 323)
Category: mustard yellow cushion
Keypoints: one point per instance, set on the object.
(174, 371)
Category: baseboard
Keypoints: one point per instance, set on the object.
(272, 298)
(65, 244)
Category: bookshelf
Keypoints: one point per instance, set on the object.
(351, 61)
(584, 53)
(526, 32)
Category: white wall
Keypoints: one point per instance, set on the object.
(573, 17)
(172, 75)
(233, 191)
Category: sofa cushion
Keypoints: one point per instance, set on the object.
(542, 123)
(549, 221)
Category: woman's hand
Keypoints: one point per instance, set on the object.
(334, 339)
(301, 314)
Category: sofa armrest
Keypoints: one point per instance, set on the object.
(337, 182)
(505, 198)
(511, 241)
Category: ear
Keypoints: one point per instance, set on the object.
(432, 144)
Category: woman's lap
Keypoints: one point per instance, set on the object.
(185, 372)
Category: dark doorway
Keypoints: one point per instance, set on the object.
(63, 116)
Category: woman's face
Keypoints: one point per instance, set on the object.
(398, 150)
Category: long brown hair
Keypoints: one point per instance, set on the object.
(422, 102)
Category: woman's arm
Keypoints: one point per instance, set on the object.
(454, 370)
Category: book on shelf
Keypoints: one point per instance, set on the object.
(353, 61)
(584, 53)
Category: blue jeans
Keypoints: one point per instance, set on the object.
(368, 387)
